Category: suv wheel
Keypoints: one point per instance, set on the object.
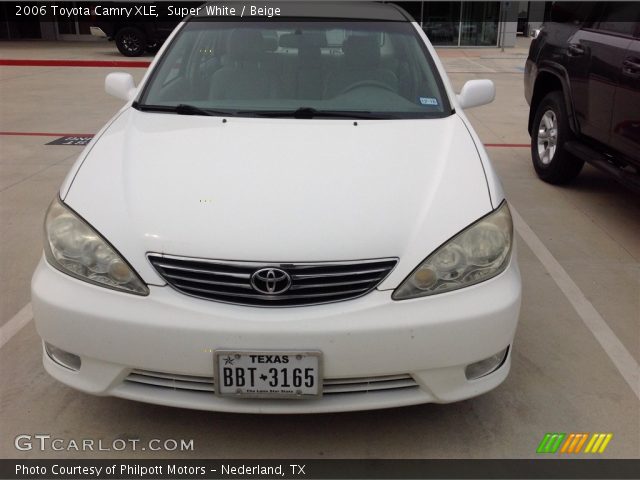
(131, 41)
(550, 132)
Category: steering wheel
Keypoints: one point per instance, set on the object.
(367, 83)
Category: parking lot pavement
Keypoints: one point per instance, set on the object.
(578, 251)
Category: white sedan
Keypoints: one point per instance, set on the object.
(285, 217)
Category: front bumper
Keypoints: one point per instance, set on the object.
(430, 339)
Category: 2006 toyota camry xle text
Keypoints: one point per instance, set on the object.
(288, 215)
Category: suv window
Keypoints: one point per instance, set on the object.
(572, 12)
(618, 17)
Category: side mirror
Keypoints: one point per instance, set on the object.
(120, 85)
(476, 92)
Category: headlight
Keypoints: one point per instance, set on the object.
(73, 247)
(478, 253)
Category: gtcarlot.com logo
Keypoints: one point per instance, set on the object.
(46, 442)
(574, 443)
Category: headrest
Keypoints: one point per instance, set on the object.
(361, 51)
(246, 44)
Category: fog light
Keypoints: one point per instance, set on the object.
(62, 358)
(486, 366)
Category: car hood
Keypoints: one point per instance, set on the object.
(279, 190)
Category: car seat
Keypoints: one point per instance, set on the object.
(244, 76)
(361, 62)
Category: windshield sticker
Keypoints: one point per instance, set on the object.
(428, 101)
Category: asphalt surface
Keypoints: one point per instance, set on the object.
(575, 355)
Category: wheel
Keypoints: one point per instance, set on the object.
(131, 41)
(550, 132)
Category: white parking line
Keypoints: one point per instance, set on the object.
(613, 347)
(13, 326)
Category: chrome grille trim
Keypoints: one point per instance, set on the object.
(208, 282)
(329, 386)
(312, 283)
(197, 270)
(333, 284)
(322, 275)
(170, 383)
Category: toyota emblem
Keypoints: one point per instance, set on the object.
(271, 281)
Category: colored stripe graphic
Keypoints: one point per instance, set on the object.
(551, 442)
(574, 443)
(581, 443)
(598, 443)
(565, 447)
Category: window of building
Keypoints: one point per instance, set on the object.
(479, 26)
(457, 23)
(441, 22)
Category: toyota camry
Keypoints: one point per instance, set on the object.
(288, 215)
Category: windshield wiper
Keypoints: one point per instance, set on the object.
(302, 112)
(309, 112)
(183, 109)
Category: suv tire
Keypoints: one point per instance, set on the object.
(549, 134)
(131, 41)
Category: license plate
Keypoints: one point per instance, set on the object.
(289, 374)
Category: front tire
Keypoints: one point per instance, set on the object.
(131, 41)
(549, 135)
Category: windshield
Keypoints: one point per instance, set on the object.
(381, 69)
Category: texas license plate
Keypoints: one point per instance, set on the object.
(289, 374)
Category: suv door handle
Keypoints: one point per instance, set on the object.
(631, 67)
(631, 62)
(575, 50)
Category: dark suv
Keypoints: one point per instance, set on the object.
(582, 82)
(138, 34)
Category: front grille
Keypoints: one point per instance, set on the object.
(329, 386)
(311, 283)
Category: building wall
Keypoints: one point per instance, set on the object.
(510, 15)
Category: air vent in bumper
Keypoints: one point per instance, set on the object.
(329, 387)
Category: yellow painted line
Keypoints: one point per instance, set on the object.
(605, 443)
(590, 444)
(567, 442)
(598, 442)
(584, 439)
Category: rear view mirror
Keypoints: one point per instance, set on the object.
(120, 85)
(476, 92)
